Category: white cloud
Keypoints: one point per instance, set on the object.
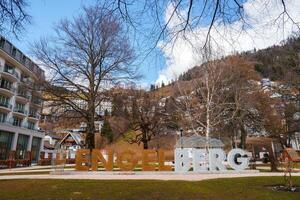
(263, 32)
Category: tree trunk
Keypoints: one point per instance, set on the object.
(273, 160)
(90, 137)
(145, 144)
(243, 137)
(145, 139)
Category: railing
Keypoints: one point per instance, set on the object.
(5, 104)
(34, 115)
(10, 121)
(10, 88)
(11, 71)
(23, 94)
(26, 125)
(36, 101)
(25, 80)
(18, 110)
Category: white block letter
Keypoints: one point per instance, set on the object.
(182, 163)
(243, 162)
(216, 157)
(200, 160)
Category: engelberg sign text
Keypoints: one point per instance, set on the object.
(127, 160)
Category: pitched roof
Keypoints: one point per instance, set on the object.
(198, 141)
(75, 136)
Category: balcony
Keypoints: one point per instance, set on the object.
(20, 112)
(7, 89)
(22, 96)
(33, 116)
(36, 101)
(30, 125)
(9, 73)
(36, 89)
(5, 106)
(25, 80)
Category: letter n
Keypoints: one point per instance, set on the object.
(97, 156)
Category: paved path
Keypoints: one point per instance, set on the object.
(34, 167)
(143, 176)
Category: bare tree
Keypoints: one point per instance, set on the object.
(86, 57)
(190, 14)
(13, 16)
(149, 118)
(220, 95)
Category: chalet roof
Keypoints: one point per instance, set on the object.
(198, 141)
(53, 136)
(75, 136)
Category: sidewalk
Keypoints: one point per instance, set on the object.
(35, 168)
(143, 176)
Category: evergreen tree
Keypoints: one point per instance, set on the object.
(152, 87)
(106, 113)
(106, 131)
(114, 107)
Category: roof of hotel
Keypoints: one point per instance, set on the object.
(20, 57)
(198, 141)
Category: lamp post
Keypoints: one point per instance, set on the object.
(181, 134)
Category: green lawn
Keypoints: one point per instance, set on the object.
(235, 188)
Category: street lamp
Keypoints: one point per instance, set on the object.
(181, 134)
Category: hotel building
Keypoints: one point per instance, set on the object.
(20, 105)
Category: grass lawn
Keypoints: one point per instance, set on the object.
(235, 188)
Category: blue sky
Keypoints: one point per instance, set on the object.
(167, 63)
(45, 13)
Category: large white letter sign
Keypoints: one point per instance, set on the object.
(200, 160)
(216, 157)
(244, 161)
(182, 162)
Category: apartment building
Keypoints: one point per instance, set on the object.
(20, 104)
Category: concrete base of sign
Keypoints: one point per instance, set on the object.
(149, 172)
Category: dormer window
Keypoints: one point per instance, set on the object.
(23, 59)
(14, 52)
(2, 41)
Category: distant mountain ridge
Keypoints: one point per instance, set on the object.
(272, 62)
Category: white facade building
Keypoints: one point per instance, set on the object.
(100, 109)
(20, 104)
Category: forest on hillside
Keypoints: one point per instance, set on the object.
(275, 62)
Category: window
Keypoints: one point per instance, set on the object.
(14, 52)
(6, 84)
(9, 69)
(35, 148)
(4, 101)
(33, 113)
(3, 117)
(22, 92)
(24, 78)
(5, 144)
(36, 100)
(17, 121)
(19, 108)
(2, 41)
(23, 59)
(21, 146)
(31, 125)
